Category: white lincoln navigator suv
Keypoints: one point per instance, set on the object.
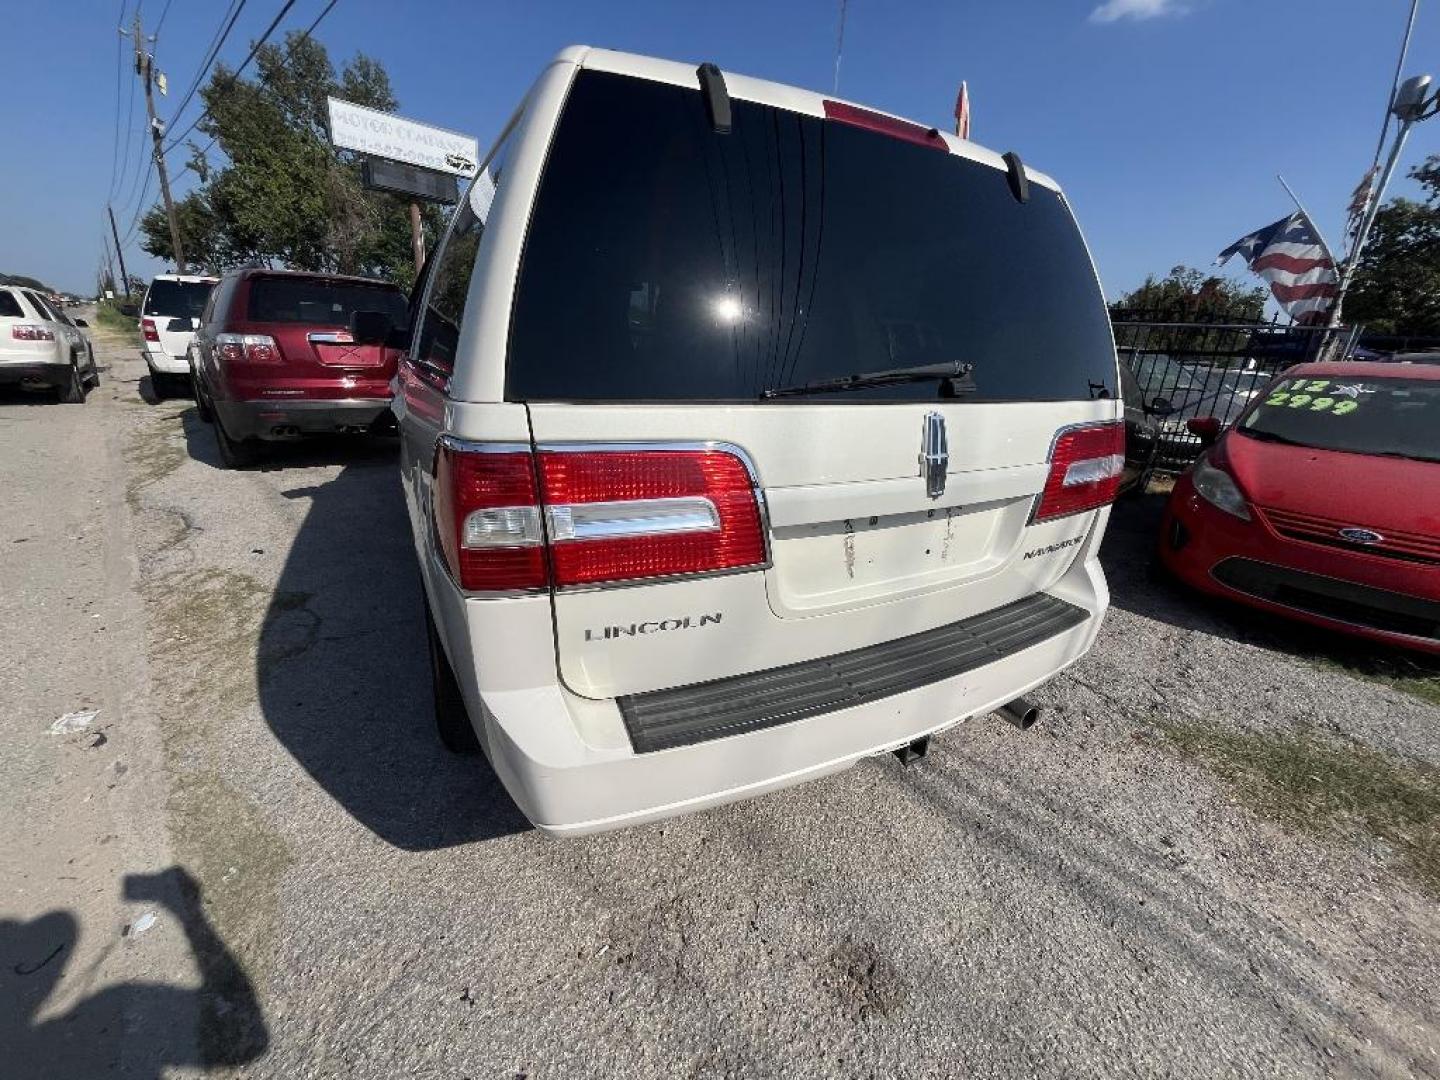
(746, 432)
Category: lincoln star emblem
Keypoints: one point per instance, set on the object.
(1361, 536)
(934, 455)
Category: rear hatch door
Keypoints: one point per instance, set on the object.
(309, 318)
(706, 300)
(174, 304)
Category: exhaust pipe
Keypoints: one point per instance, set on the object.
(1020, 713)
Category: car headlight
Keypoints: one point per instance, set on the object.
(1219, 489)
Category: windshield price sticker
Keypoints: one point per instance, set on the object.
(1317, 395)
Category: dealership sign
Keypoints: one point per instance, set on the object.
(385, 135)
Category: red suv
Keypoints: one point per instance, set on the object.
(281, 354)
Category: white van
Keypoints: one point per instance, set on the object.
(169, 317)
(746, 433)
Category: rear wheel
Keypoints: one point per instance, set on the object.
(202, 404)
(72, 391)
(452, 721)
(234, 453)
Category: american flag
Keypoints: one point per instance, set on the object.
(1290, 255)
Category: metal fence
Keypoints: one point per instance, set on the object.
(1190, 364)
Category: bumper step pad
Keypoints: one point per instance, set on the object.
(664, 719)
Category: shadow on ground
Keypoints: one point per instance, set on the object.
(343, 675)
(138, 1029)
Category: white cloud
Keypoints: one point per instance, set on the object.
(1112, 10)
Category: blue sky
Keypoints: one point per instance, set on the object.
(1165, 120)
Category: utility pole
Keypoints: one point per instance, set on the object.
(145, 68)
(417, 237)
(118, 251)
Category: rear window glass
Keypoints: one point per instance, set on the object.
(322, 303)
(666, 262)
(1393, 417)
(9, 306)
(178, 299)
(41, 305)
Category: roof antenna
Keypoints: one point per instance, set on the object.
(717, 98)
(1019, 182)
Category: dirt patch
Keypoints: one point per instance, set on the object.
(209, 621)
(1327, 786)
(206, 626)
(867, 983)
(156, 449)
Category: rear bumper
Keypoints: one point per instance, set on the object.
(157, 359)
(1369, 596)
(282, 419)
(567, 785)
(51, 373)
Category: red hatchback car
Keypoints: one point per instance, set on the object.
(280, 354)
(1322, 503)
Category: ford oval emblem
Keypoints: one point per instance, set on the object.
(1361, 536)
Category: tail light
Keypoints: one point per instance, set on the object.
(147, 328)
(885, 125)
(248, 348)
(487, 515)
(1086, 464)
(31, 332)
(510, 520)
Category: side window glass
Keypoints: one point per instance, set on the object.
(454, 266)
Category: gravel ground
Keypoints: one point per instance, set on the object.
(1076, 900)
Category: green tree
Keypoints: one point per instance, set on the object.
(282, 194)
(1186, 292)
(1397, 282)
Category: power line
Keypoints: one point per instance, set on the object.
(119, 69)
(235, 75)
(139, 208)
(305, 34)
(134, 181)
(163, 12)
(217, 42)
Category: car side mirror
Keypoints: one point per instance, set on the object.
(82, 324)
(370, 327)
(1160, 407)
(1204, 428)
(195, 324)
(398, 338)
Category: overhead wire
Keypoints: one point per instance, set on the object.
(217, 42)
(305, 34)
(235, 75)
(119, 71)
(163, 12)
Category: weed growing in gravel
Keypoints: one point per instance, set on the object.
(109, 317)
(1322, 785)
(1414, 675)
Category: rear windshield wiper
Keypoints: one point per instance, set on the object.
(955, 372)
